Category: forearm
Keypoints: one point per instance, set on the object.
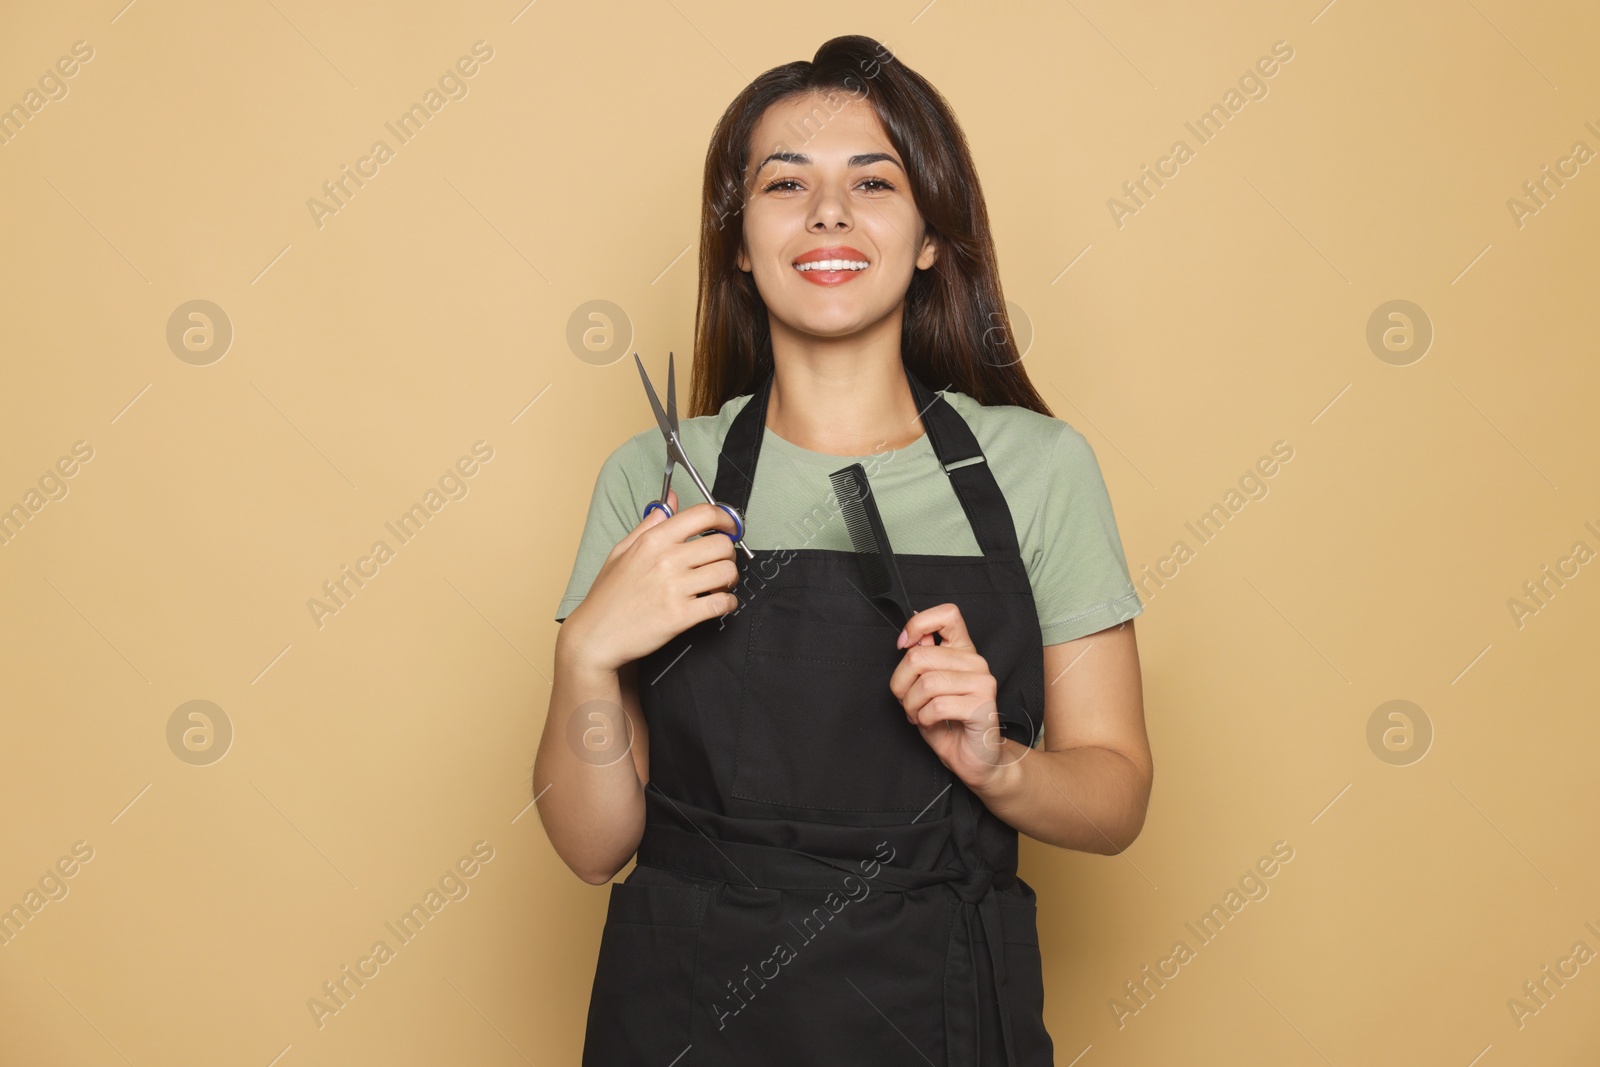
(1087, 798)
(590, 798)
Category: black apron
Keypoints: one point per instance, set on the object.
(813, 885)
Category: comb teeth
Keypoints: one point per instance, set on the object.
(855, 521)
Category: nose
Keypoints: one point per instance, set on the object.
(830, 210)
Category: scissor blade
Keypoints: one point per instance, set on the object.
(683, 458)
(672, 393)
(655, 401)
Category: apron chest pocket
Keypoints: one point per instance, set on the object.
(819, 728)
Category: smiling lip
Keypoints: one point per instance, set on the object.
(831, 277)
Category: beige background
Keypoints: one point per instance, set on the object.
(371, 753)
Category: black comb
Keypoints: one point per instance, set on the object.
(869, 539)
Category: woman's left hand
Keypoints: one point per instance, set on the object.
(949, 694)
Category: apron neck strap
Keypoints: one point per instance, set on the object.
(952, 440)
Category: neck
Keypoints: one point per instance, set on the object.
(844, 396)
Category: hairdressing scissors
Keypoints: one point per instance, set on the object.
(668, 421)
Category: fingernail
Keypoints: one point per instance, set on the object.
(900, 642)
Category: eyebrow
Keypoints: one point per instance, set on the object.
(800, 159)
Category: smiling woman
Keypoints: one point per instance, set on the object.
(785, 726)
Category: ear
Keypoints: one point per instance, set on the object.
(930, 251)
(741, 259)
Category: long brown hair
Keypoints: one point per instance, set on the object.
(955, 333)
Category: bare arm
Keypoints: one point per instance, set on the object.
(1088, 788)
(589, 775)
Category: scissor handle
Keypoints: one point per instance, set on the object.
(737, 538)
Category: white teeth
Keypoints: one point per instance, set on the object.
(832, 264)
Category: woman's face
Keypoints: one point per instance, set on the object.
(840, 193)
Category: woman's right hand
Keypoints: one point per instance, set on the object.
(648, 590)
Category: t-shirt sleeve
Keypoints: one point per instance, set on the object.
(611, 515)
(1081, 582)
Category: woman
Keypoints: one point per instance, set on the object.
(825, 805)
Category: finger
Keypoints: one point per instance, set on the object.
(957, 709)
(943, 619)
(713, 605)
(947, 683)
(699, 551)
(924, 658)
(719, 575)
(941, 709)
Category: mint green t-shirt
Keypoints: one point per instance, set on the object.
(1045, 468)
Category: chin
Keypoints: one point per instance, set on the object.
(828, 326)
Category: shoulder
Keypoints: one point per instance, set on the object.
(712, 428)
(1019, 440)
(702, 438)
(1046, 468)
